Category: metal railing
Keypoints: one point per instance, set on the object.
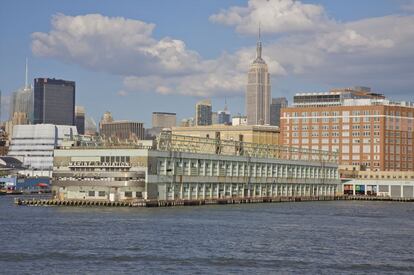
(178, 143)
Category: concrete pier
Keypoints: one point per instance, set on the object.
(169, 203)
(195, 202)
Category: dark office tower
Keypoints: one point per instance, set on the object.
(80, 119)
(54, 101)
(275, 107)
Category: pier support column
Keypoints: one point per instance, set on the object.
(353, 189)
(173, 192)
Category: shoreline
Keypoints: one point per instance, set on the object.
(197, 202)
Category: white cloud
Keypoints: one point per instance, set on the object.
(364, 52)
(274, 16)
(122, 93)
(125, 47)
(113, 44)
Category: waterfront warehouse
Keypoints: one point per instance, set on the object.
(191, 168)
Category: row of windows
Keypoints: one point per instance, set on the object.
(335, 113)
(111, 159)
(222, 168)
(334, 120)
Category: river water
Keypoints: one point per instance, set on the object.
(306, 237)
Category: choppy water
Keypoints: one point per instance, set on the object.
(307, 237)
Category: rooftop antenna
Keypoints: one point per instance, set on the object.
(26, 76)
(259, 45)
(259, 31)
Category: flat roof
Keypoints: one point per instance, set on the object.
(163, 113)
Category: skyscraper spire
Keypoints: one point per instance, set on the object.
(258, 92)
(259, 46)
(26, 76)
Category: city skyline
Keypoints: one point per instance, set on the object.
(369, 55)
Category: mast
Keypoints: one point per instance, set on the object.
(259, 45)
(26, 76)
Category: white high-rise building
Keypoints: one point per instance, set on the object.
(258, 94)
(34, 145)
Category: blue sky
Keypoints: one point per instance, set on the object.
(316, 46)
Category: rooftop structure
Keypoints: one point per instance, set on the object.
(261, 134)
(123, 129)
(335, 97)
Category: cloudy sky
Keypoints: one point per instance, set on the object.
(135, 57)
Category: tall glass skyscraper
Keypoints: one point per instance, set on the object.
(277, 104)
(54, 101)
(22, 100)
(258, 90)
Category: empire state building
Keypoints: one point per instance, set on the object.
(258, 93)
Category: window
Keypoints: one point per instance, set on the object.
(101, 194)
(91, 193)
(128, 194)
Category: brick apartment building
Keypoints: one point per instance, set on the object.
(366, 129)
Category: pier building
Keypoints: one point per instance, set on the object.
(191, 168)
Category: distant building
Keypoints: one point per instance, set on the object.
(239, 120)
(367, 130)
(214, 118)
(224, 117)
(258, 90)
(54, 101)
(4, 146)
(275, 107)
(80, 119)
(123, 129)
(19, 118)
(107, 117)
(34, 145)
(90, 126)
(22, 100)
(187, 122)
(163, 120)
(203, 112)
(261, 134)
